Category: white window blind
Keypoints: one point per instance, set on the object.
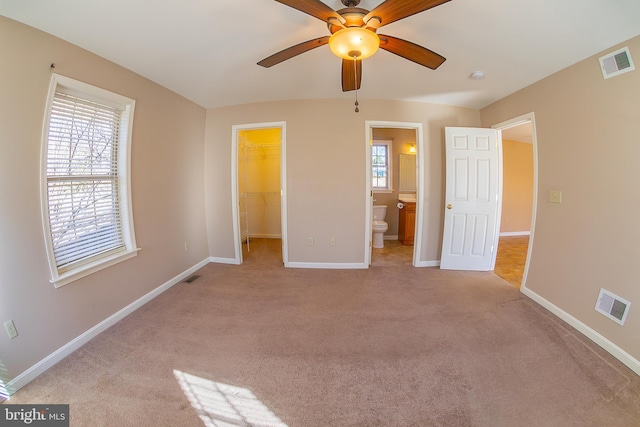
(82, 180)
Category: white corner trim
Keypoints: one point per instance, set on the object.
(610, 347)
(328, 265)
(40, 367)
(219, 260)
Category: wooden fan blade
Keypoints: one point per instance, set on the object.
(393, 10)
(288, 53)
(351, 74)
(314, 8)
(411, 51)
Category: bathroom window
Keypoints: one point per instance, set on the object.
(381, 165)
(86, 205)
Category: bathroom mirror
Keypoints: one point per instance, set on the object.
(407, 172)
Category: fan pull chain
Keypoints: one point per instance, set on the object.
(355, 79)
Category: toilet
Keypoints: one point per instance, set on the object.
(378, 225)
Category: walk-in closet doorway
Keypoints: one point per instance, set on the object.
(259, 177)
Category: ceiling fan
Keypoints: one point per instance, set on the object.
(354, 35)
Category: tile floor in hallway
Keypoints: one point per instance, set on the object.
(511, 258)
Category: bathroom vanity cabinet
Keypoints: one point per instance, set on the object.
(407, 223)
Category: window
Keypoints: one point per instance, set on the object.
(86, 194)
(381, 165)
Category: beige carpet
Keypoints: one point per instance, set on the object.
(259, 344)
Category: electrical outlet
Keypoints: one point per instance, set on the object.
(332, 241)
(11, 329)
(310, 241)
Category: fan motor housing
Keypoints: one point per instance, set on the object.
(353, 17)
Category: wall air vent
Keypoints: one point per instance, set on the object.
(612, 306)
(616, 63)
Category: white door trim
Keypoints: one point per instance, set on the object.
(517, 121)
(369, 126)
(283, 186)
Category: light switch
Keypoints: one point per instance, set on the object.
(555, 196)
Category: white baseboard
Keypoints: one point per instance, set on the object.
(514, 233)
(428, 264)
(327, 265)
(224, 260)
(39, 368)
(390, 237)
(613, 349)
(264, 236)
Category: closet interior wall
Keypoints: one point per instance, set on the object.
(259, 186)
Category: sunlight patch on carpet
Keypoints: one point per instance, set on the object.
(223, 405)
(4, 392)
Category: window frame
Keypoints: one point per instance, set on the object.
(389, 188)
(61, 276)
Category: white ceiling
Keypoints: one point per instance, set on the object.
(206, 50)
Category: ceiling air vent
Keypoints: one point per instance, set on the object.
(616, 63)
(612, 306)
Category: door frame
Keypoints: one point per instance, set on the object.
(518, 121)
(420, 156)
(237, 236)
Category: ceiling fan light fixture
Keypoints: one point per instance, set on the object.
(354, 42)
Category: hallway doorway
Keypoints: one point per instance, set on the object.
(518, 199)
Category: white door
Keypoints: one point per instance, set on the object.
(471, 199)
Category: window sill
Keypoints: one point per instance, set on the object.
(59, 280)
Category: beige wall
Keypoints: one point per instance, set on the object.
(167, 190)
(326, 167)
(517, 188)
(402, 140)
(588, 148)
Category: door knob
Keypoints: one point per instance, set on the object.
(449, 206)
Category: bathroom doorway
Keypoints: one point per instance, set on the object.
(259, 170)
(403, 238)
